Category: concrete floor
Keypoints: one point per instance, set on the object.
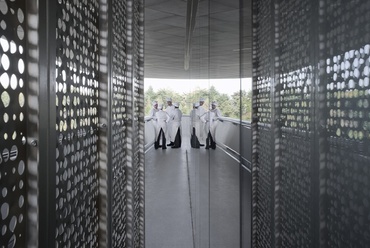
(191, 198)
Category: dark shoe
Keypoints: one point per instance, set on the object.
(201, 144)
(170, 144)
(175, 146)
(164, 147)
(213, 145)
(207, 143)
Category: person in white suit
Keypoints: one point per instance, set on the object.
(152, 116)
(152, 112)
(202, 134)
(161, 130)
(212, 117)
(195, 126)
(175, 120)
(169, 109)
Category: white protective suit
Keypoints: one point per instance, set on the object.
(169, 110)
(175, 120)
(212, 118)
(202, 125)
(162, 120)
(196, 122)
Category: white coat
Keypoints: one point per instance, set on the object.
(152, 116)
(195, 122)
(169, 110)
(162, 120)
(212, 118)
(175, 123)
(202, 125)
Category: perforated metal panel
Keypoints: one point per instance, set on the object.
(320, 119)
(68, 192)
(13, 124)
(77, 85)
(127, 127)
(119, 125)
(347, 123)
(138, 84)
(262, 192)
(294, 203)
(263, 153)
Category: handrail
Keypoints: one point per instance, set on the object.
(236, 121)
(228, 140)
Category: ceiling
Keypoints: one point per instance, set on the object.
(214, 44)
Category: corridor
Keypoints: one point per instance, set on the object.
(191, 198)
(73, 168)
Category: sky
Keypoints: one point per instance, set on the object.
(226, 86)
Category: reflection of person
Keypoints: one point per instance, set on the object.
(195, 126)
(202, 111)
(175, 120)
(161, 128)
(153, 111)
(212, 117)
(152, 116)
(169, 110)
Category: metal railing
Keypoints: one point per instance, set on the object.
(235, 138)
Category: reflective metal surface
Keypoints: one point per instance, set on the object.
(60, 143)
(13, 124)
(310, 135)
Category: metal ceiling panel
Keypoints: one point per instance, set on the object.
(218, 34)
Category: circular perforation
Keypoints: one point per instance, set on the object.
(12, 125)
(348, 95)
(347, 124)
(263, 170)
(119, 114)
(77, 122)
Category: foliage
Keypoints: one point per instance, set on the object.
(230, 106)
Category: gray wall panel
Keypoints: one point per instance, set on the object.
(319, 98)
(67, 98)
(13, 124)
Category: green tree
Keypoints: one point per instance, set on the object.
(224, 102)
(246, 104)
(194, 97)
(160, 96)
(229, 105)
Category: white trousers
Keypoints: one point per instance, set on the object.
(173, 130)
(211, 127)
(163, 125)
(198, 129)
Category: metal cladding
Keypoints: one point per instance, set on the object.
(311, 134)
(76, 179)
(13, 125)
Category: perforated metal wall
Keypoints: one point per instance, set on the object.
(138, 112)
(119, 126)
(127, 130)
(263, 150)
(77, 91)
(319, 117)
(74, 148)
(135, 124)
(294, 159)
(347, 123)
(13, 124)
